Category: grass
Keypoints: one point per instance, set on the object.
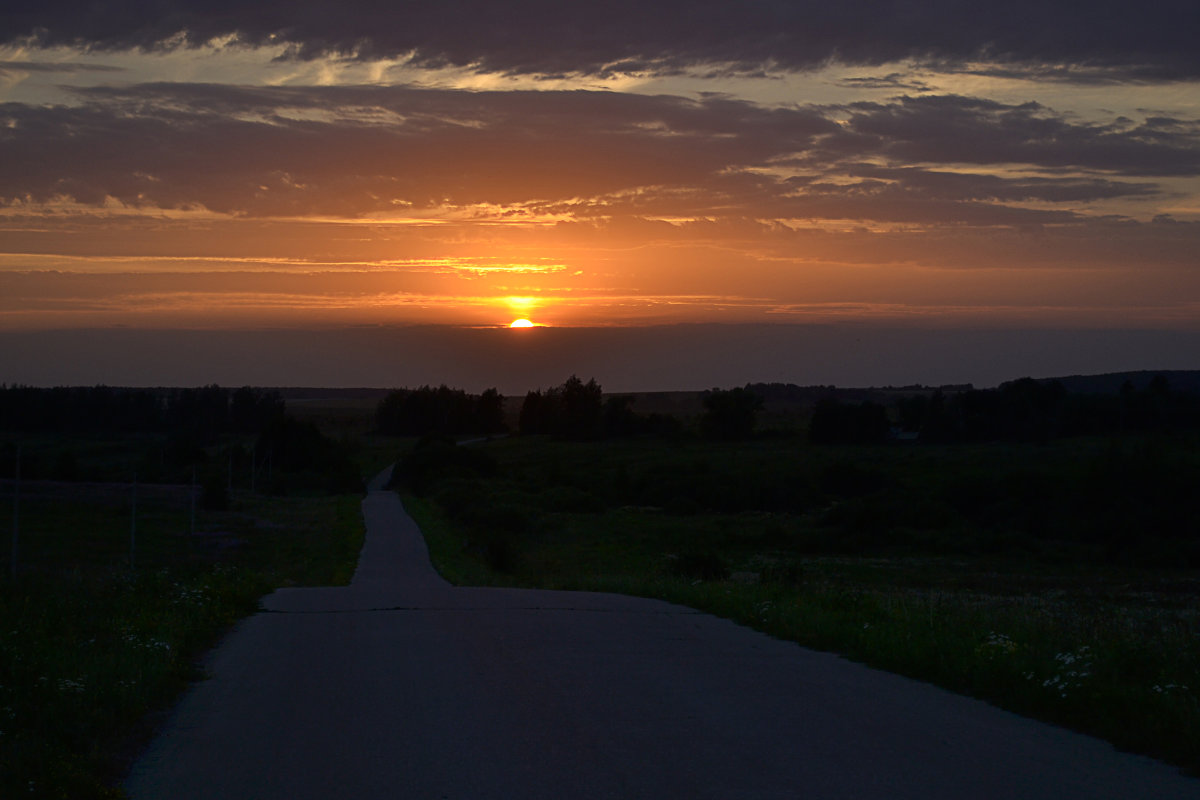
(92, 651)
(960, 566)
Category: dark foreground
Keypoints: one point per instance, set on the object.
(403, 686)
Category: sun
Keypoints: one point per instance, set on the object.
(521, 323)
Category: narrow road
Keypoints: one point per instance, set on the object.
(402, 686)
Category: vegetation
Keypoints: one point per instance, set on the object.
(89, 646)
(414, 412)
(730, 414)
(169, 436)
(120, 586)
(1039, 548)
(1059, 581)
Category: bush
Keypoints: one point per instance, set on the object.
(434, 461)
(497, 527)
(704, 565)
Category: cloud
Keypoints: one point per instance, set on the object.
(367, 149)
(532, 155)
(1080, 74)
(916, 182)
(16, 67)
(558, 38)
(893, 80)
(950, 129)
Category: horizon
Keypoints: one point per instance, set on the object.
(684, 357)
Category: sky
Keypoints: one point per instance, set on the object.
(679, 195)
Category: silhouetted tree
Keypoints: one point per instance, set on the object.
(583, 407)
(730, 414)
(538, 412)
(571, 411)
(489, 412)
(416, 412)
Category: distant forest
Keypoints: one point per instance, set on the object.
(251, 424)
(1024, 410)
(207, 428)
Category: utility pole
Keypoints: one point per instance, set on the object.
(16, 513)
(193, 496)
(133, 524)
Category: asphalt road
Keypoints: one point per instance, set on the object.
(402, 686)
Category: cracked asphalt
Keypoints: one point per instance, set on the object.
(402, 686)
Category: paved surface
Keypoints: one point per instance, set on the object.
(401, 686)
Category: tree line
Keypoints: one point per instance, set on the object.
(212, 429)
(1024, 410)
(205, 412)
(416, 412)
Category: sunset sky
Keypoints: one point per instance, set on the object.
(683, 194)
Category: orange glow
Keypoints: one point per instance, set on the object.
(521, 323)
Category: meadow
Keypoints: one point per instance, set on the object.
(1057, 580)
(120, 590)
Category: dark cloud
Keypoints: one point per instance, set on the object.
(892, 81)
(349, 151)
(557, 37)
(961, 186)
(10, 67)
(1091, 74)
(261, 151)
(952, 129)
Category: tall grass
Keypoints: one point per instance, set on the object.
(1043, 624)
(91, 649)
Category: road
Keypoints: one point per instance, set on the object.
(402, 686)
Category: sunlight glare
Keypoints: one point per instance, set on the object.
(521, 323)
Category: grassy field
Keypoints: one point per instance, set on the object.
(1059, 581)
(1035, 577)
(94, 650)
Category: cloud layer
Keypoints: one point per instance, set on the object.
(357, 151)
(556, 37)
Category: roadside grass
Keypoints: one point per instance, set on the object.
(92, 652)
(1030, 611)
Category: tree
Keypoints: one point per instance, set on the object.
(730, 414)
(583, 409)
(489, 412)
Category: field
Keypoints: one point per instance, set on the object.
(119, 590)
(1038, 577)
(1058, 580)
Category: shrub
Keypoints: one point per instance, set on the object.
(705, 565)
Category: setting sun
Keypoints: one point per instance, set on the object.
(521, 323)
